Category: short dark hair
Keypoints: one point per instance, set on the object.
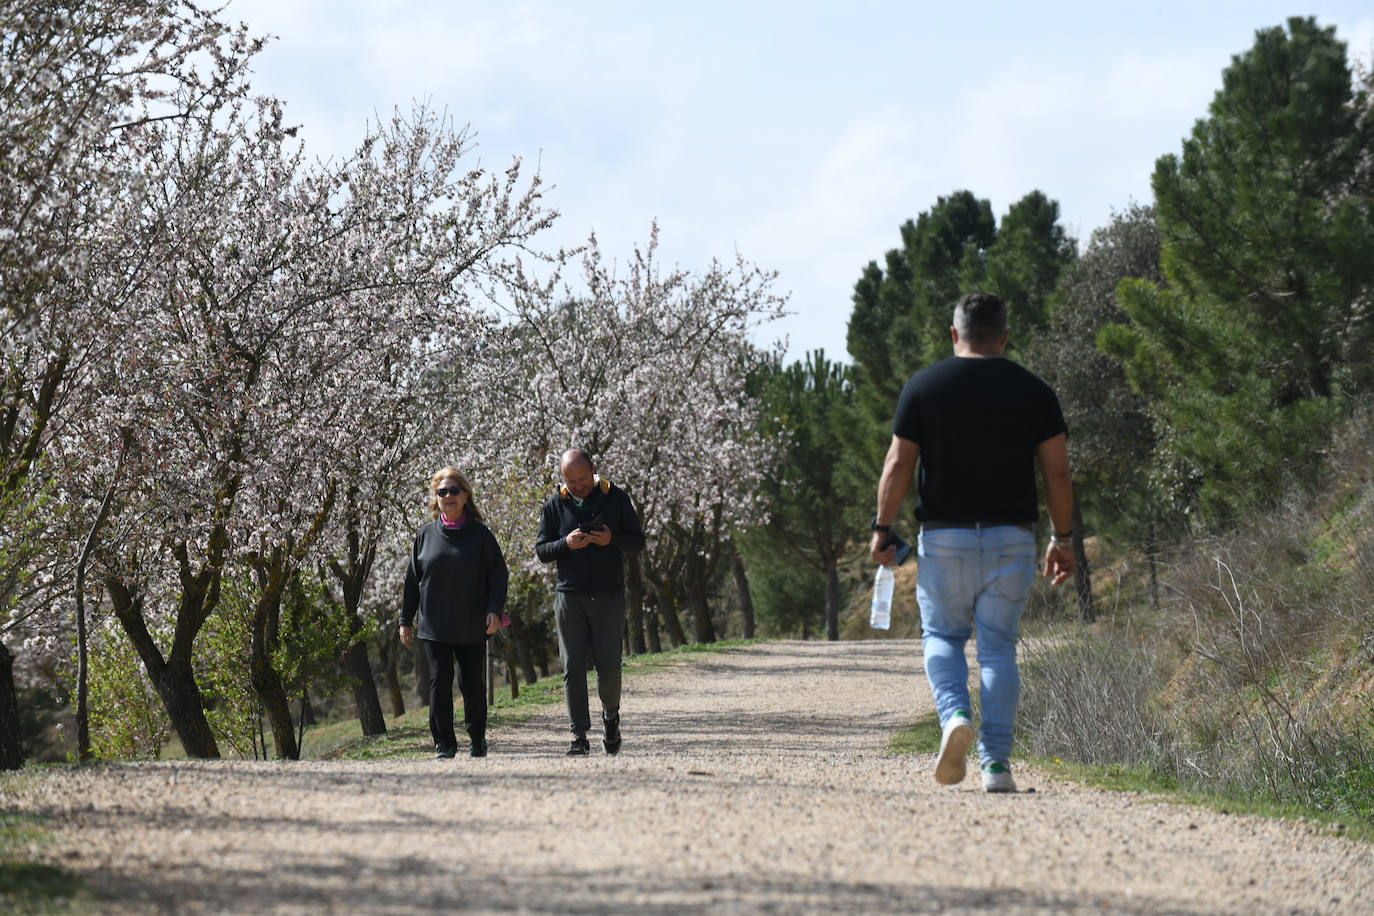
(980, 318)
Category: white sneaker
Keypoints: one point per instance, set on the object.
(952, 764)
(997, 778)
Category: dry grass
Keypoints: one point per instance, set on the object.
(1255, 679)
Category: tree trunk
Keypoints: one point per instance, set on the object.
(667, 612)
(634, 605)
(365, 699)
(352, 578)
(832, 599)
(421, 673)
(176, 686)
(267, 682)
(390, 657)
(1082, 580)
(746, 602)
(271, 693)
(171, 677)
(11, 748)
(83, 718)
(520, 635)
(701, 615)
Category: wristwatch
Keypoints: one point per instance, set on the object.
(883, 528)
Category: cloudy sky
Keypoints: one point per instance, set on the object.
(799, 134)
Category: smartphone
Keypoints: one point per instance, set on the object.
(592, 524)
(903, 548)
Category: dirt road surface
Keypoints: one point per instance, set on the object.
(753, 780)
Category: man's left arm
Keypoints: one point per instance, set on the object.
(1053, 455)
(629, 536)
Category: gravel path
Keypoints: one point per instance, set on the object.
(751, 780)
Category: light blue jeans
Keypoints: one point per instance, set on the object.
(967, 578)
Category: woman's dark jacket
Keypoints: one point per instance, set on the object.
(455, 579)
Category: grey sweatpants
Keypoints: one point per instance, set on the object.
(589, 623)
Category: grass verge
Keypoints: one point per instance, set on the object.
(408, 735)
(923, 737)
(27, 887)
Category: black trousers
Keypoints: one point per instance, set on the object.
(471, 662)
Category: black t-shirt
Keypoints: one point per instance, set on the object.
(977, 421)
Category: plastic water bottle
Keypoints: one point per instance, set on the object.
(881, 614)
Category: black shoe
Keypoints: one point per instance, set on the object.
(478, 748)
(580, 747)
(446, 753)
(611, 740)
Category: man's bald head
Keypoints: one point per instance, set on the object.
(579, 474)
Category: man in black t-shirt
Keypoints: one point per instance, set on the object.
(978, 424)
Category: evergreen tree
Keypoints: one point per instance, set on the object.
(1269, 254)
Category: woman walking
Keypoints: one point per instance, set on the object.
(456, 587)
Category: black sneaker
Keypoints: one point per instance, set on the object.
(580, 747)
(478, 747)
(445, 753)
(611, 740)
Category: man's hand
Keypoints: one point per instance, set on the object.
(493, 624)
(885, 556)
(408, 637)
(1059, 562)
(577, 539)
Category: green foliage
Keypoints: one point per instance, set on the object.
(921, 737)
(313, 633)
(1024, 266)
(818, 497)
(1227, 437)
(127, 718)
(1251, 350)
(901, 315)
(789, 598)
(225, 672)
(1266, 213)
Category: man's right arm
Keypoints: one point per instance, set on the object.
(549, 545)
(898, 467)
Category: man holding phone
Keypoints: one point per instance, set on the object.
(586, 527)
(978, 424)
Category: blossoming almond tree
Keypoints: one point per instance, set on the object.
(288, 335)
(647, 371)
(69, 75)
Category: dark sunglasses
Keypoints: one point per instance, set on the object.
(445, 491)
